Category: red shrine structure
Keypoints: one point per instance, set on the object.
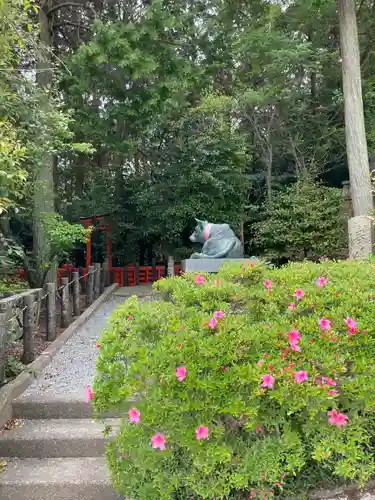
(98, 224)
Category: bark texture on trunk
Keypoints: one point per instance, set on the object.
(43, 194)
(354, 117)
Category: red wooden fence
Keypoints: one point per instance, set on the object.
(124, 276)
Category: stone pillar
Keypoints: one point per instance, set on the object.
(170, 269)
(360, 237)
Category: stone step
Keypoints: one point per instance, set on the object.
(39, 407)
(56, 438)
(56, 479)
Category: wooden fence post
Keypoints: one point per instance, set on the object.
(28, 334)
(3, 341)
(76, 294)
(98, 269)
(105, 274)
(82, 283)
(137, 273)
(51, 312)
(90, 286)
(170, 270)
(102, 279)
(64, 303)
(154, 275)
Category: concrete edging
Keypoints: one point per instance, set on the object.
(15, 388)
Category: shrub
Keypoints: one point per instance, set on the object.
(280, 383)
(304, 220)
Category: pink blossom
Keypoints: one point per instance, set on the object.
(291, 306)
(98, 346)
(294, 338)
(299, 293)
(134, 416)
(89, 395)
(130, 318)
(219, 314)
(332, 393)
(268, 381)
(295, 347)
(268, 284)
(322, 281)
(181, 373)
(350, 323)
(259, 429)
(260, 363)
(201, 432)
(199, 280)
(300, 376)
(353, 330)
(325, 324)
(158, 441)
(337, 419)
(329, 381)
(212, 323)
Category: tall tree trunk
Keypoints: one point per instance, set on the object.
(354, 118)
(43, 195)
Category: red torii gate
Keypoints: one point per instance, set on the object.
(92, 221)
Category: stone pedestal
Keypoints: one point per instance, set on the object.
(360, 237)
(209, 265)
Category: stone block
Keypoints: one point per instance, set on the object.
(209, 265)
(360, 237)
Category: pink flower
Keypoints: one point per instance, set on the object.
(259, 429)
(329, 381)
(268, 284)
(181, 373)
(199, 280)
(291, 306)
(322, 281)
(260, 363)
(332, 393)
(158, 441)
(337, 419)
(268, 381)
(219, 314)
(325, 324)
(98, 346)
(294, 338)
(89, 395)
(201, 432)
(353, 330)
(299, 293)
(350, 323)
(212, 323)
(300, 376)
(130, 318)
(134, 416)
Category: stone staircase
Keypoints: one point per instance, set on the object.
(54, 452)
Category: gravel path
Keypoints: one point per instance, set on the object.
(73, 367)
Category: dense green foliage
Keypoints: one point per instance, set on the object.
(306, 220)
(186, 101)
(33, 126)
(307, 326)
(155, 112)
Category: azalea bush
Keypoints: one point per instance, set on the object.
(238, 384)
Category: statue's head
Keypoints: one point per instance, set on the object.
(198, 234)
